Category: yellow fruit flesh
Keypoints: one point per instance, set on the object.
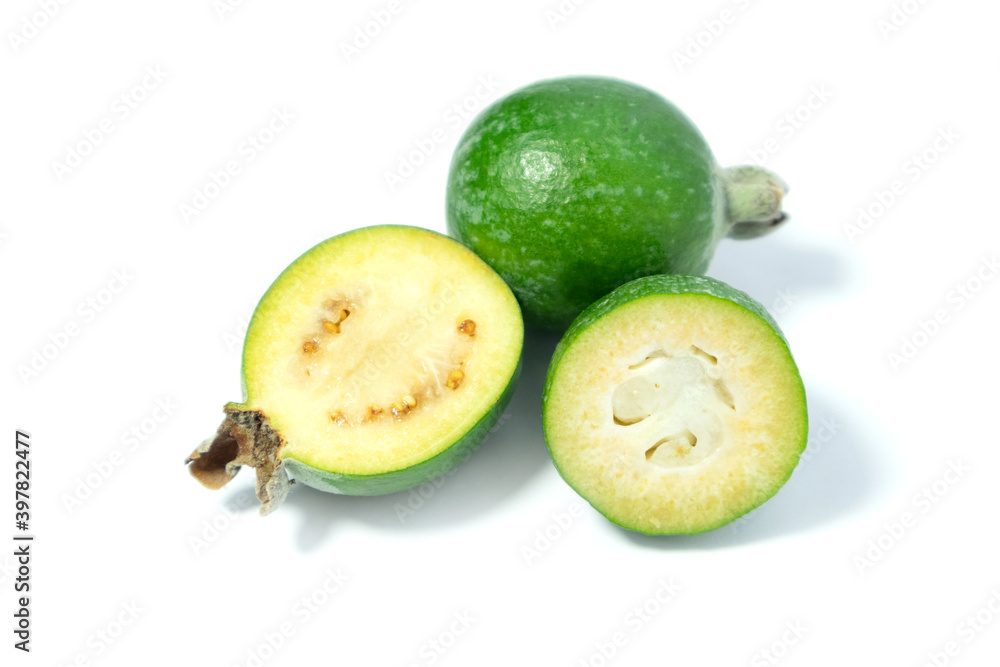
(676, 413)
(379, 349)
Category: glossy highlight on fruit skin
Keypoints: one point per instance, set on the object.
(377, 361)
(673, 405)
(572, 187)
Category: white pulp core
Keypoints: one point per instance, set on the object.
(381, 353)
(678, 406)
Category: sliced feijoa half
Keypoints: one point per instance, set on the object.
(375, 362)
(673, 405)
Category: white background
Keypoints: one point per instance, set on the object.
(847, 298)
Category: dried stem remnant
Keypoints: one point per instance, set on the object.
(243, 438)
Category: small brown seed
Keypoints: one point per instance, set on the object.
(310, 346)
(409, 401)
(468, 327)
(342, 315)
(455, 379)
(374, 411)
(331, 327)
(337, 417)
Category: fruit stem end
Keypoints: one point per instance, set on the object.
(753, 198)
(243, 438)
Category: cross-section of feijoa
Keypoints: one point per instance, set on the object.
(673, 405)
(375, 362)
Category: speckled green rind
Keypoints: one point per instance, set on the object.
(400, 480)
(571, 187)
(664, 285)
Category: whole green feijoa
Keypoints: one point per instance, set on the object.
(673, 405)
(571, 187)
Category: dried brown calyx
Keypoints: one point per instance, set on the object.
(243, 438)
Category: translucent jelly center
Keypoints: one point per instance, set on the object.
(374, 355)
(678, 404)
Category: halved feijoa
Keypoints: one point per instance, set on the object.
(377, 361)
(673, 405)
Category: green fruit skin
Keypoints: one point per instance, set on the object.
(401, 480)
(571, 187)
(653, 286)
